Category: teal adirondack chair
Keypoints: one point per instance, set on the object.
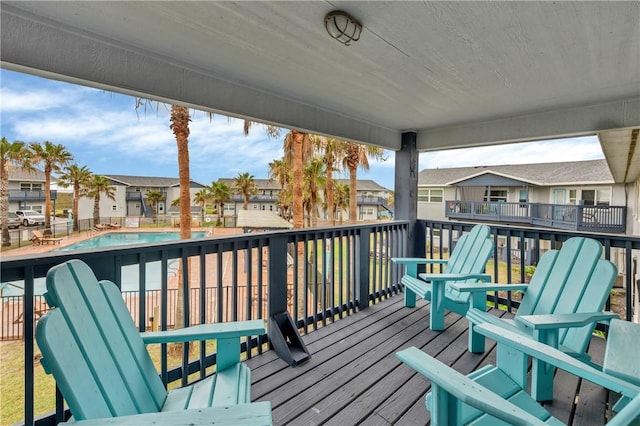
(466, 264)
(560, 307)
(489, 396)
(98, 358)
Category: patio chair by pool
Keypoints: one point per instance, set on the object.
(39, 238)
(466, 264)
(90, 344)
(560, 307)
(489, 396)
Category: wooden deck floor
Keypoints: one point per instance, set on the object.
(354, 378)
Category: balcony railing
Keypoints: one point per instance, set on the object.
(559, 216)
(16, 195)
(518, 247)
(317, 275)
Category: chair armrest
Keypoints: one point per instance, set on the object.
(551, 321)
(417, 261)
(628, 414)
(485, 287)
(556, 358)
(223, 330)
(455, 277)
(257, 413)
(465, 389)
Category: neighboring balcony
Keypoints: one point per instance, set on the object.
(17, 195)
(559, 216)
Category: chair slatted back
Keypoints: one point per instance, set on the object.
(469, 251)
(573, 279)
(90, 344)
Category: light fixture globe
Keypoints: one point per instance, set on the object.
(342, 26)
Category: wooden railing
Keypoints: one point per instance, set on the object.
(517, 248)
(317, 275)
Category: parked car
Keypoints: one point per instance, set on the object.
(14, 221)
(30, 217)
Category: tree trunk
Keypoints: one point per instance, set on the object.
(180, 126)
(353, 199)
(96, 209)
(47, 197)
(329, 191)
(74, 210)
(298, 208)
(4, 203)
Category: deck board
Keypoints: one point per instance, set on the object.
(353, 376)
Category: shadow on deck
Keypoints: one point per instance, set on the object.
(354, 378)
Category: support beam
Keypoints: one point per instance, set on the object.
(406, 193)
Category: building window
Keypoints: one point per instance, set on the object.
(430, 195)
(573, 197)
(114, 207)
(31, 186)
(596, 197)
(496, 195)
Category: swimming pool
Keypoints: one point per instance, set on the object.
(130, 273)
(125, 238)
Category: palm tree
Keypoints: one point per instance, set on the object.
(357, 155)
(220, 193)
(245, 185)
(96, 187)
(332, 150)
(77, 177)
(10, 153)
(340, 198)
(279, 171)
(53, 157)
(180, 126)
(314, 179)
(153, 198)
(297, 149)
(200, 198)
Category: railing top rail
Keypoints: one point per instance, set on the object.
(614, 240)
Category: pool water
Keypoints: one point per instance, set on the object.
(130, 273)
(125, 238)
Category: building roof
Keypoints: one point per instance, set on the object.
(149, 181)
(261, 219)
(364, 185)
(260, 183)
(267, 184)
(25, 175)
(541, 174)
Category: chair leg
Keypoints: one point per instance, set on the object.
(476, 340)
(542, 380)
(409, 298)
(436, 318)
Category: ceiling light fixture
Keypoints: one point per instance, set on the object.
(342, 26)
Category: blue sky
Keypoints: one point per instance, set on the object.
(104, 132)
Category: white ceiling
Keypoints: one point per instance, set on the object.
(457, 73)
